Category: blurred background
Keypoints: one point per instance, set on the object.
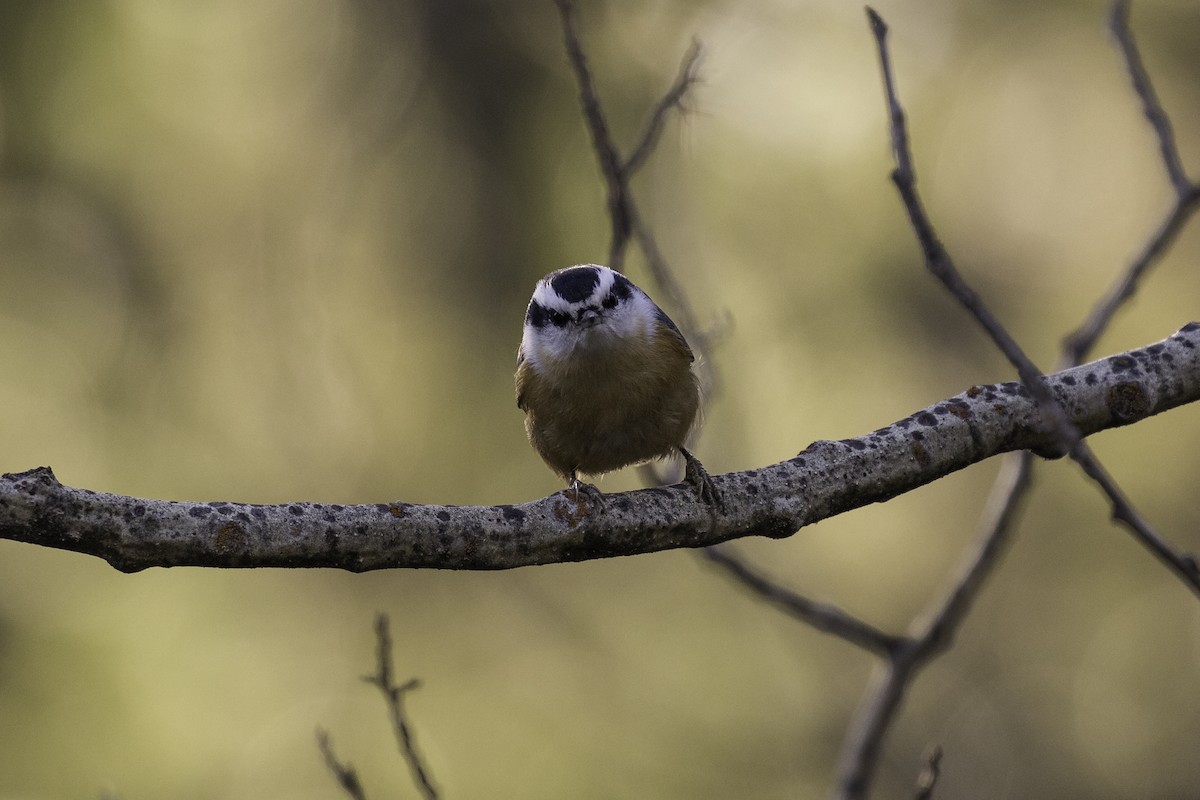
(267, 251)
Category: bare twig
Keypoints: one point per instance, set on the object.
(827, 618)
(623, 213)
(1080, 342)
(1151, 107)
(1182, 564)
(689, 74)
(394, 696)
(619, 211)
(345, 775)
(937, 259)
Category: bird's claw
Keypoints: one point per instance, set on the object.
(593, 494)
(695, 474)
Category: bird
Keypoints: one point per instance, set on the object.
(605, 379)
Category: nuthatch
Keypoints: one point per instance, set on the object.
(605, 378)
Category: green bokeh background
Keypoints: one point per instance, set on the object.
(267, 251)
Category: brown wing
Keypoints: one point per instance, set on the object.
(670, 325)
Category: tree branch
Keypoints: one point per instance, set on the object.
(826, 479)
(822, 616)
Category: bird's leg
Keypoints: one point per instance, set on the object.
(697, 476)
(575, 487)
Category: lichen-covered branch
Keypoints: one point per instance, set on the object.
(827, 478)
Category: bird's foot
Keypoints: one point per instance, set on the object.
(577, 490)
(695, 474)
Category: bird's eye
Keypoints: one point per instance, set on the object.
(558, 318)
(610, 302)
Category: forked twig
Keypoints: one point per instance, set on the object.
(625, 219)
(689, 74)
(394, 696)
(1080, 342)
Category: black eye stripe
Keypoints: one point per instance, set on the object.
(535, 315)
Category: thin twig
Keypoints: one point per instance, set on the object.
(822, 616)
(1182, 564)
(1080, 342)
(394, 695)
(602, 141)
(937, 259)
(689, 74)
(1151, 107)
(344, 773)
(671, 289)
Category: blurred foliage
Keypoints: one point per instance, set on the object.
(266, 251)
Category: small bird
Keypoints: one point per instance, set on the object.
(605, 379)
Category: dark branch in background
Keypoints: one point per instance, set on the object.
(822, 616)
(393, 696)
(619, 210)
(343, 773)
(689, 74)
(1151, 107)
(864, 742)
